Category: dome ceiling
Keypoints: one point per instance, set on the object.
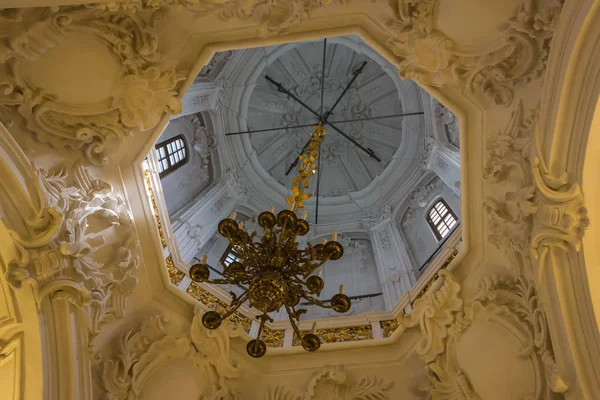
(345, 167)
(364, 164)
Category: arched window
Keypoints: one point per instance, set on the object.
(441, 219)
(171, 154)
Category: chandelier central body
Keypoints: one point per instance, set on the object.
(274, 270)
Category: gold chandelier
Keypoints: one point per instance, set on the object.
(276, 273)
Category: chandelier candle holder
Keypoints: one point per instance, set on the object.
(274, 270)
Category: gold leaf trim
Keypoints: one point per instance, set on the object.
(175, 275)
(155, 208)
(337, 335)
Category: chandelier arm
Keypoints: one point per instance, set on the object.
(235, 305)
(368, 151)
(317, 302)
(263, 319)
(354, 76)
(240, 300)
(292, 322)
(282, 89)
(226, 281)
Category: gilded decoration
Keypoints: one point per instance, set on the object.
(389, 327)
(175, 275)
(211, 301)
(241, 321)
(273, 338)
(203, 296)
(336, 335)
(159, 225)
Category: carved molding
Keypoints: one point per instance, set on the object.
(444, 317)
(341, 386)
(432, 58)
(237, 183)
(139, 99)
(274, 17)
(93, 254)
(561, 216)
(143, 351)
(507, 168)
(419, 198)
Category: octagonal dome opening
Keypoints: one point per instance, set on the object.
(387, 176)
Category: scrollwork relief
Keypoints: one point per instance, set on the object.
(444, 318)
(143, 351)
(376, 215)
(138, 100)
(561, 216)
(432, 58)
(94, 252)
(274, 17)
(339, 385)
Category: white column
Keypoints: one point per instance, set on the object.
(445, 162)
(396, 272)
(65, 345)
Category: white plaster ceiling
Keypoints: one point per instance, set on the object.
(353, 184)
(344, 167)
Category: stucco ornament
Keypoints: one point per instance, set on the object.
(141, 95)
(433, 313)
(444, 318)
(419, 198)
(274, 16)
(376, 215)
(338, 384)
(432, 58)
(143, 351)
(561, 216)
(507, 169)
(93, 254)
(204, 142)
